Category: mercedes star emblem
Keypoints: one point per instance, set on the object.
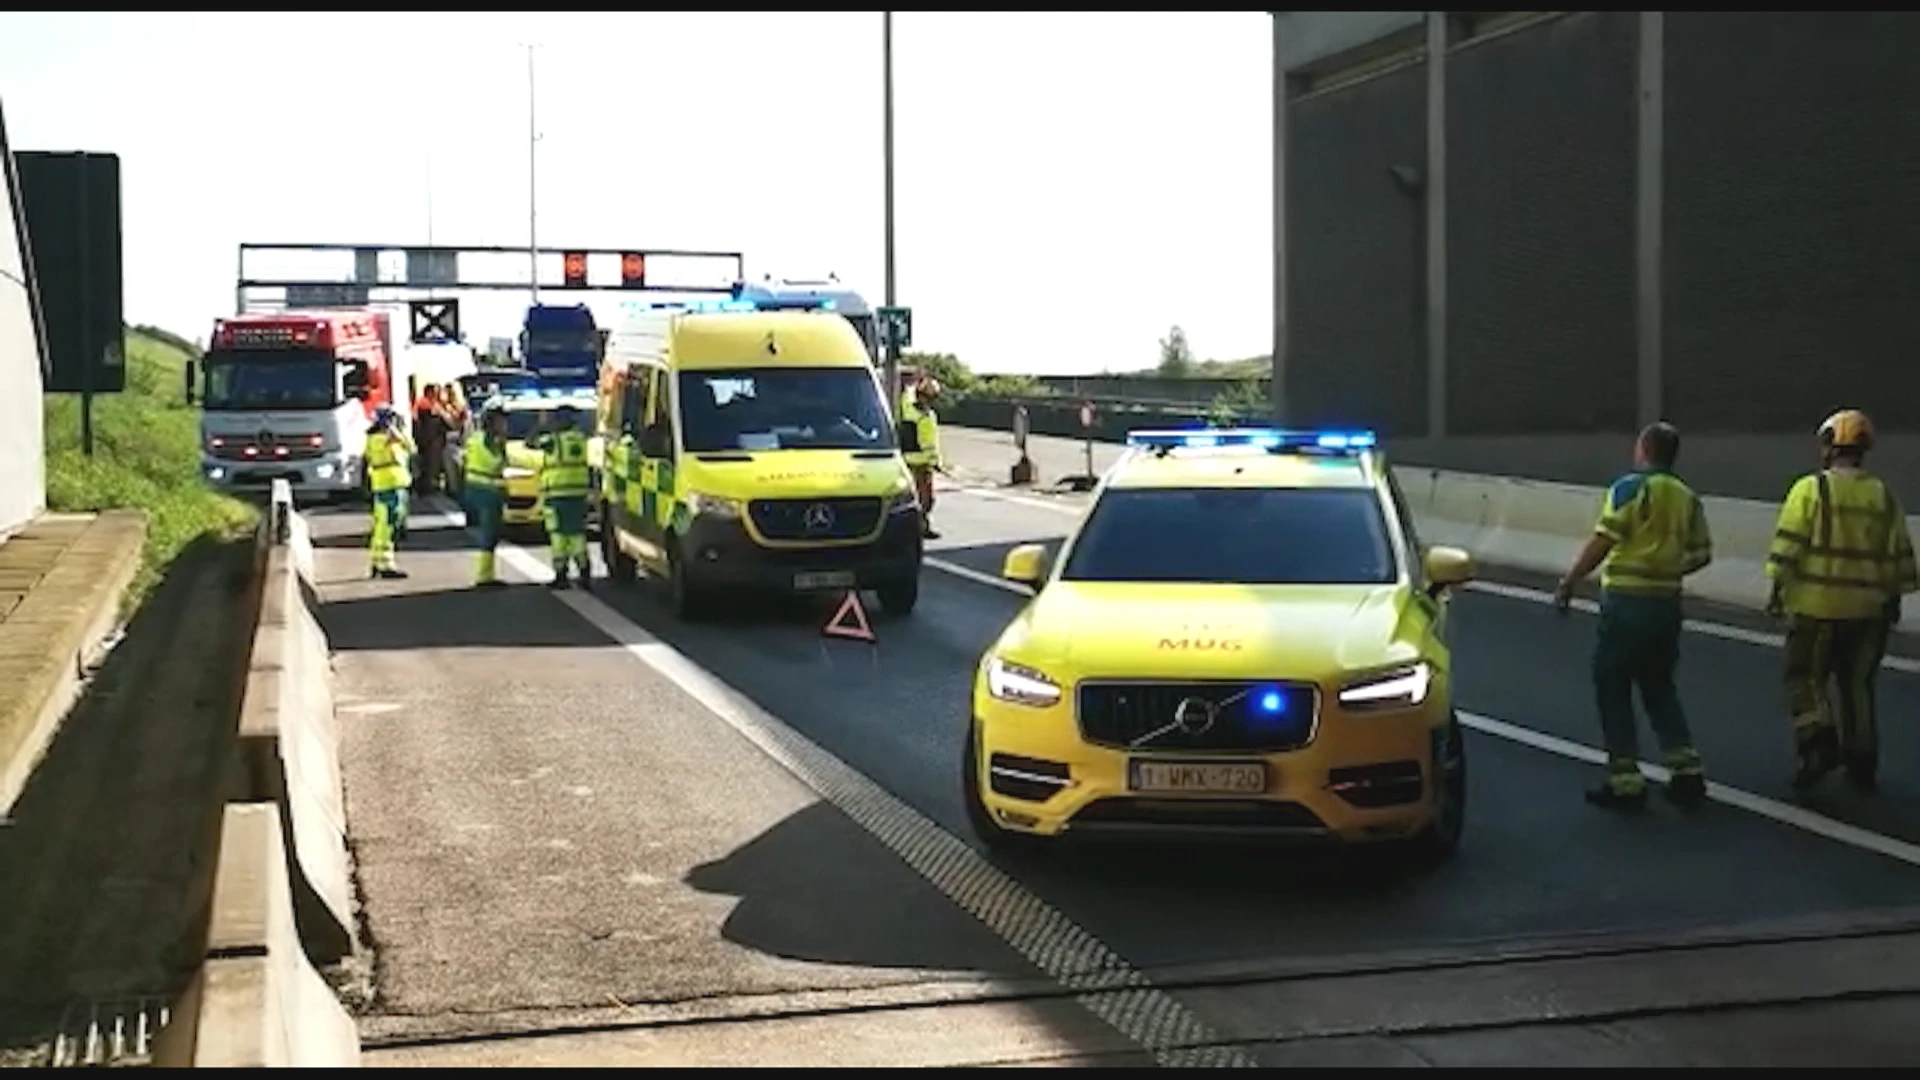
(819, 518)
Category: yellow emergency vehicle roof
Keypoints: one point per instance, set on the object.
(716, 340)
(1255, 458)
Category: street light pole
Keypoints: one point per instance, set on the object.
(886, 63)
(533, 161)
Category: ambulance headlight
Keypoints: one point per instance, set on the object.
(713, 506)
(514, 472)
(905, 502)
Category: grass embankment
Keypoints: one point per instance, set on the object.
(146, 455)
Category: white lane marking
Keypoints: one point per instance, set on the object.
(1104, 983)
(1797, 816)
(973, 575)
(1517, 592)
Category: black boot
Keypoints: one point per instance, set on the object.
(560, 581)
(1863, 771)
(1819, 755)
(1687, 789)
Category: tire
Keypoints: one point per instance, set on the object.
(621, 566)
(1440, 840)
(899, 600)
(996, 839)
(688, 601)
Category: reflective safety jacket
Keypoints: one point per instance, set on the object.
(485, 468)
(926, 424)
(1841, 549)
(1659, 531)
(564, 472)
(388, 457)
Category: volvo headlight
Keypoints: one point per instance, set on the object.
(1020, 685)
(713, 506)
(1401, 688)
(905, 502)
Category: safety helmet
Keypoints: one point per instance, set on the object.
(1847, 428)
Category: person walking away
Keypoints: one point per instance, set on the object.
(916, 409)
(1651, 534)
(388, 456)
(484, 487)
(1841, 560)
(564, 478)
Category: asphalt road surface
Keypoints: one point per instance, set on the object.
(585, 834)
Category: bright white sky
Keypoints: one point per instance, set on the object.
(1067, 186)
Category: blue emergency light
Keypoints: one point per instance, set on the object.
(1275, 439)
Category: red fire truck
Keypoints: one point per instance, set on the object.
(290, 395)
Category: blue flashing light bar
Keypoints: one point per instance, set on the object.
(712, 306)
(1266, 438)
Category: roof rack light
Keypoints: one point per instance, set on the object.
(1276, 439)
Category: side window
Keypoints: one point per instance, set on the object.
(659, 409)
(632, 406)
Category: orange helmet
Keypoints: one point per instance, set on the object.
(1848, 428)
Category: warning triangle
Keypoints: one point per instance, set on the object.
(850, 621)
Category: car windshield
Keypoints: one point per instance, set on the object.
(243, 379)
(525, 423)
(782, 409)
(1250, 536)
(560, 341)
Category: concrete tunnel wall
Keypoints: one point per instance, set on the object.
(1580, 222)
(22, 463)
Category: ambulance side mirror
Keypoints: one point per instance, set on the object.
(356, 380)
(1447, 567)
(193, 379)
(908, 434)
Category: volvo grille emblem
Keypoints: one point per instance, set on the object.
(1195, 716)
(819, 518)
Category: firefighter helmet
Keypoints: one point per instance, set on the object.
(1848, 428)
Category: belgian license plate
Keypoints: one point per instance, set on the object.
(1198, 777)
(824, 579)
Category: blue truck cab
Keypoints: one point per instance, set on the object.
(562, 345)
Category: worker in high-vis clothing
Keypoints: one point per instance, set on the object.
(389, 475)
(484, 486)
(1841, 559)
(920, 442)
(1651, 534)
(564, 482)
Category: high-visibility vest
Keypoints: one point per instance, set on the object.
(387, 468)
(1659, 531)
(1840, 548)
(927, 425)
(485, 469)
(563, 466)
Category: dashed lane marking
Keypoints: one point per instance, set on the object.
(1723, 631)
(1102, 982)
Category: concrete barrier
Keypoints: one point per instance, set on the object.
(288, 742)
(1534, 526)
(256, 1001)
(1538, 526)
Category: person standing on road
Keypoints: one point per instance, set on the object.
(1651, 534)
(388, 455)
(564, 480)
(430, 435)
(1841, 559)
(485, 489)
(916, 410)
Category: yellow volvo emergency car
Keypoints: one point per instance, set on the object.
(1242, 637)
(529, 411)
(753, 450)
